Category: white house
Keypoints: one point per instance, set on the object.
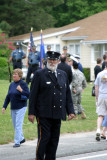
(87, 38)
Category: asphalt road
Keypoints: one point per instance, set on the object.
(99, 155)
(71, 147)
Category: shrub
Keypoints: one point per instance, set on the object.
(3, 52)
(86, 72)
(4, 73)
(3, 62)
(5, 47)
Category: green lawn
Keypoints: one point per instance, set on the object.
(30, 130)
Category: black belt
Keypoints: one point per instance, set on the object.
(34, 65)
(17, 60)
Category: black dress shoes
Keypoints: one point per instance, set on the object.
(22, 141)
(16, 145)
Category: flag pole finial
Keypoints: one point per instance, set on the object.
(31, 29)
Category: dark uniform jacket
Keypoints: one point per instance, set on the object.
(65, 67)
(50, 98)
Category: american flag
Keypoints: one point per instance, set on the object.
(31, 43)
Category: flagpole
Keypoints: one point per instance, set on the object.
(41, 44)
(31, 29)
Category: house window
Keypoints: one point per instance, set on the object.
(57, 48)
(105, 48)
(98, 51)
(74, 49)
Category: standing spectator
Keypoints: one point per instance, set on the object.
(104, 124)
(32, 63)
(105, 60)
(65, 67)
(97, 68)
(17, 56)
(78, 84)
(17, 95)
(50, 100)
(79, 64)
(101, 99)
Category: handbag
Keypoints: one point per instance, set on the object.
(93, 91)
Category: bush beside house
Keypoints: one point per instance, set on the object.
(86, 72)
(5, 51)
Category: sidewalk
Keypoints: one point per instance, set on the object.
(69, 144)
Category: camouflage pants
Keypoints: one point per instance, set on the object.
(77, 103)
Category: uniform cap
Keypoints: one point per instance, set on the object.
(64, 47)
(76, 56)
(33, 47)
(48, 46)
(74, 59)
(17, 44)
(53, 55)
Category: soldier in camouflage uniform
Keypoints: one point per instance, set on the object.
(78, 84)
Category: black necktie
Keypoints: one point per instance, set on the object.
(54, 76)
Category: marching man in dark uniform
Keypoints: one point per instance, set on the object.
(32, 62)
(17, 56)
(50, 100)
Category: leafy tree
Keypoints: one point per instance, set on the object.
(74, 10)
(5, 27)
(23, 14)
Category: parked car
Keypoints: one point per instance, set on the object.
(25, 70)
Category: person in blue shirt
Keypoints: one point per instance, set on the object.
(16, 56)
(32, 63)
(18, 94)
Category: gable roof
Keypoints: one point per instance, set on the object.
(91, 29)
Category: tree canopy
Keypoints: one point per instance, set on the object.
(74, 10)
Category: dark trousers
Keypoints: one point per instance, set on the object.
(17, 65)
(31, 70)
(48, 138)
